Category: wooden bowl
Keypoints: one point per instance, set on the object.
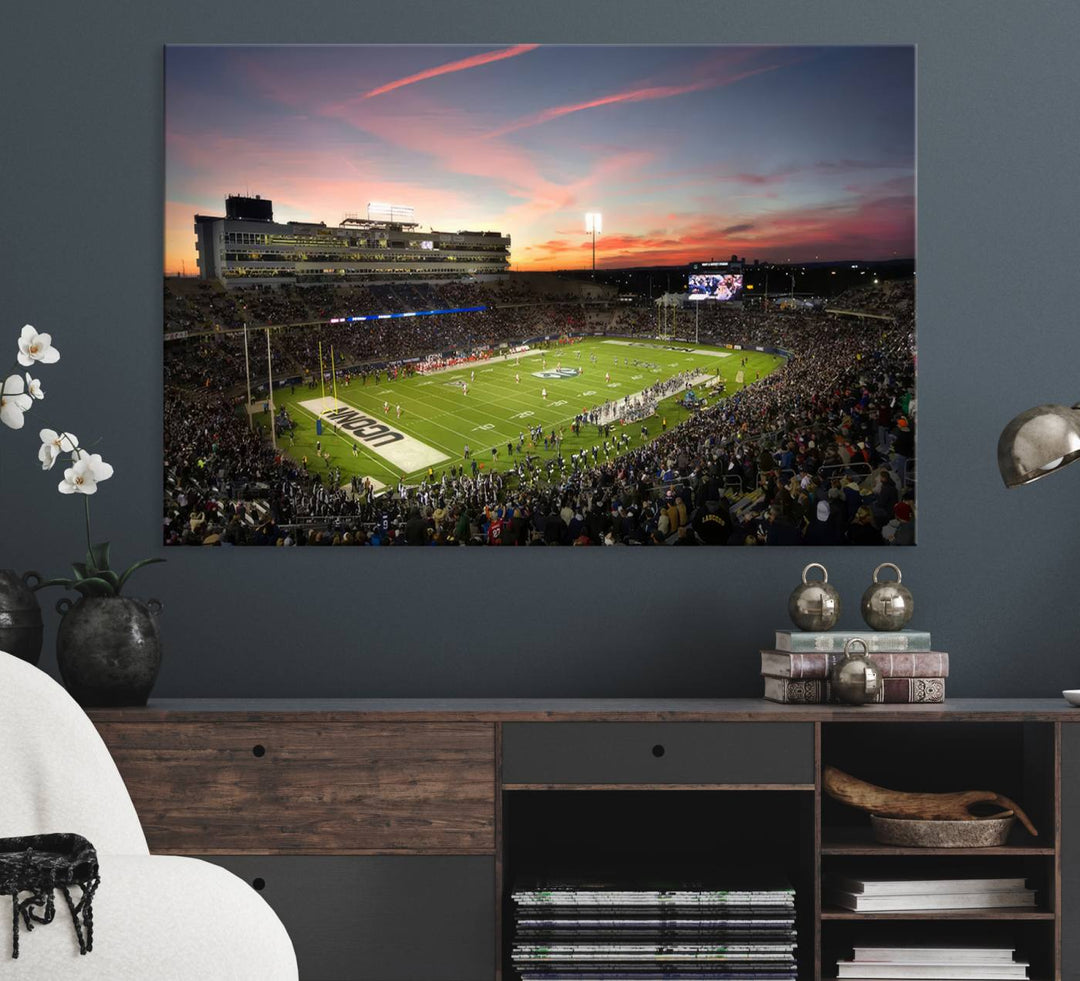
(912, 832)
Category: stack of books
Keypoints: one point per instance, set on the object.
(580, 931)
(939, 963)
(796, 671)
(902, 894)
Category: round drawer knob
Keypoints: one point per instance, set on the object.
(258, 750)
(658, 750)
(258, 884)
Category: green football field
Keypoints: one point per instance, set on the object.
(438, 420)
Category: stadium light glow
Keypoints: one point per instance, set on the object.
(384, 211)
(593, 223)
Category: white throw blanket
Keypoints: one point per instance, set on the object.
(156, 918)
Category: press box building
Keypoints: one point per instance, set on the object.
(247, 246)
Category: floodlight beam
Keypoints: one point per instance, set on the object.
(594, 224)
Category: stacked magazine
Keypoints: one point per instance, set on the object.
(881, 895)
(581, 931)
(938, 963)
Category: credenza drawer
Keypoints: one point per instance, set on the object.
(697, 753)
(381, 918)
(230, 788)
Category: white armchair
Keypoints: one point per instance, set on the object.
(156, 918)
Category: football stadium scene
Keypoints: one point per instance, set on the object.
(533, 296)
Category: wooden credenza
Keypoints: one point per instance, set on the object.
(387, 833)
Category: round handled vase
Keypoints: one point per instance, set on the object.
(109, 649)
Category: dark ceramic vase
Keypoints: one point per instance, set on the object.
(20, 616)
(108, 649)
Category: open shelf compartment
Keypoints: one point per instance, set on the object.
(711, 836)
(1016, 759)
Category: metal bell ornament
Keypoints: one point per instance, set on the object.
(887, 605)
(855, 679)
(814, 605)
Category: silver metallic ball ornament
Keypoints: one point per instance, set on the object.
(887, 605)
(856, 680)
(814, 605)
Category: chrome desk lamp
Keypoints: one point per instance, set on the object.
(1037, 442)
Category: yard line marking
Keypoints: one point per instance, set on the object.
(405, 399)
(472, 402)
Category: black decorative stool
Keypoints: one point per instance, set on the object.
(41, 864)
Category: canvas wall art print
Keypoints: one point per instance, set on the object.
(525, 295)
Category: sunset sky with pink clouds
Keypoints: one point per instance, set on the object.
(690, 152)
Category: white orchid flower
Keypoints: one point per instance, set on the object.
(53, 444)
(83, 476)
(36, 347)
(14, 401)
(33, 387)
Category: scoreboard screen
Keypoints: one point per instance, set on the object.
(725, 287)
(716, 281)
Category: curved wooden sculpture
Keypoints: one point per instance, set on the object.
(901, 804)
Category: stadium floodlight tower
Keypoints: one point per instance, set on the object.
(393, 213)
(593, 223)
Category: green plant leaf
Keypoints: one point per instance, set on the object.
(66, 583)
(110, 577)
(97, 559)
(128, 573)
(94, 587)
(79, 569)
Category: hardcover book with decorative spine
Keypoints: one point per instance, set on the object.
(817, 664)
(895, 691)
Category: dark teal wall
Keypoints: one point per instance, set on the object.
(995, 576)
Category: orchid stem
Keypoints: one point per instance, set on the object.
(89, 547)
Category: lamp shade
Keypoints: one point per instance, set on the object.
(1037, 442)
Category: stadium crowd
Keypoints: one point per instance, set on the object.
(200, 305)
(821, 451)
(217, 361)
